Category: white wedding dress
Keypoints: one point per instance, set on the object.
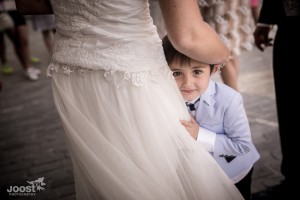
(120, 108)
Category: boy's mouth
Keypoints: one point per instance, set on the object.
(188, 91)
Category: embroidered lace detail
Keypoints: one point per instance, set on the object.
(137, 61)
(126, 77)
(123, 55)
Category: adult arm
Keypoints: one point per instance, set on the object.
(189, 34)
(34, 7)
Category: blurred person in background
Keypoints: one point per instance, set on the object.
(46, 25)
(19, 37)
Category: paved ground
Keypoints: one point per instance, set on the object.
(32, 142)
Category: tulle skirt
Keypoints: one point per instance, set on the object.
(127, 143)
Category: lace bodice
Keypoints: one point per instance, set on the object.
(111, 35)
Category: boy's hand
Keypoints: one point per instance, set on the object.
(192, 127)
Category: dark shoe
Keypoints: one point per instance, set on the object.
(278, 192)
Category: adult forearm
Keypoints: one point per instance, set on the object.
(204, 44)
(189, 34)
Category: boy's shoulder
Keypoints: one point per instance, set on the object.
(223, 92)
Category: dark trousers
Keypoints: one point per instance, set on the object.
(286, 64)
(244, 185)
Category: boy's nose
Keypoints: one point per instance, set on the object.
(187, 80)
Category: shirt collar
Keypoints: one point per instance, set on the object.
(194, 100)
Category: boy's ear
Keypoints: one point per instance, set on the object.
(214, 70)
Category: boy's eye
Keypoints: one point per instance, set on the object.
(175, 74)
(197, 72)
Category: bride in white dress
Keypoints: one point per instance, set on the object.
(120, 105)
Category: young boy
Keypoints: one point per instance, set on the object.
(218, 121)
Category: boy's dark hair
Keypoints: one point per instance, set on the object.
(172, 54)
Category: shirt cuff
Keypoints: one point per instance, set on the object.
(207, 139)
(264, 25)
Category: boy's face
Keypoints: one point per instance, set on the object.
(193, 79)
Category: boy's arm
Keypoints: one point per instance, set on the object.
(237, 140)
(207, 139)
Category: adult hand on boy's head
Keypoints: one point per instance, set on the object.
(191, 126)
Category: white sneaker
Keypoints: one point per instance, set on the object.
(37, 71)
(31, 73)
